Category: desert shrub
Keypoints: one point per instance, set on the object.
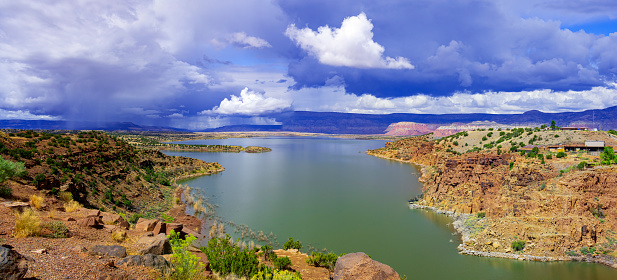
(582, 165)
(9, 169)
(72, 206)
(282, 263)
(65, 196)
(561, 155)
(227, 258)
(27, 223)
(55, 229)
(291, 244)
(322, 260)
(481, 215)
(518, 245)
(38, 179)
(277, 275)
(186, 265)
(36, 201)
(511, 165)
(549, 156)
(134, 218)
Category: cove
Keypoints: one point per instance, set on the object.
(327, 193)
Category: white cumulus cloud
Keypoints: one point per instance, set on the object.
(351, 45)
(246, 41)
(249, 103)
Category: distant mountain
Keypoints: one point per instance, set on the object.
(64, 125)
(346, 123)
(244, 127)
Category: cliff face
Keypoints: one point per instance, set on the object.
(555, 215)
(410, 128)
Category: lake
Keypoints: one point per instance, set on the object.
(327, 193)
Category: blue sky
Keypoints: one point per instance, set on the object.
(199, 64)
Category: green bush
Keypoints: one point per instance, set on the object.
(186, 265)
(322, 260)
(481, 215)
(226, 258)
(561, 155)
(518, 245)
(134, 218)
(283, 263)
(291, 244)
(267, 252)
(55, 229)
(277, 275)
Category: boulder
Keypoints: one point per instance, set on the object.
(85, 212)
(177, 227)
(111, 219)
(155, 261)
(160, 227)
(158, 245)
(123, 224)
(13, 265)
(145, 224)
(150, 260)
(359, 266)
(115, 251)
(16, 205)
(91, 221)
(186, 231)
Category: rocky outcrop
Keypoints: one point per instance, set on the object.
(507, 198)
(13, 265)
(359, 266)
(410, 128)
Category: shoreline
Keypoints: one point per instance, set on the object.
(459, 222)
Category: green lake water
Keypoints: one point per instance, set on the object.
(328, 193)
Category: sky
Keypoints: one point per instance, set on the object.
(198, 64)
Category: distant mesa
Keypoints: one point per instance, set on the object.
(348, 123)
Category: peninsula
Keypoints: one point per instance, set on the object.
(525, 193)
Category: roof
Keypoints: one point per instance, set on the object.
(594, 144)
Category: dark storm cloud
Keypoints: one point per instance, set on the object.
(463, 46)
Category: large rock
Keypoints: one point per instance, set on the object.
(91, 221)
(85, 212)
(12, 264)
(359, 266)
(115, 251)
(159, 228)
(176, 227)
(145, 224)
(158, 245)
(114, 219)
(150, 260)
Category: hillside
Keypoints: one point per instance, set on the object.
(557, 208)
(99, 171)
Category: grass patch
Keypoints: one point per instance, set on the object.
(119, 236)
(65, 196)
(72, 206)
(36, 201)
(27, 223)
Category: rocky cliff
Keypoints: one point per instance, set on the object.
(507, 198)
